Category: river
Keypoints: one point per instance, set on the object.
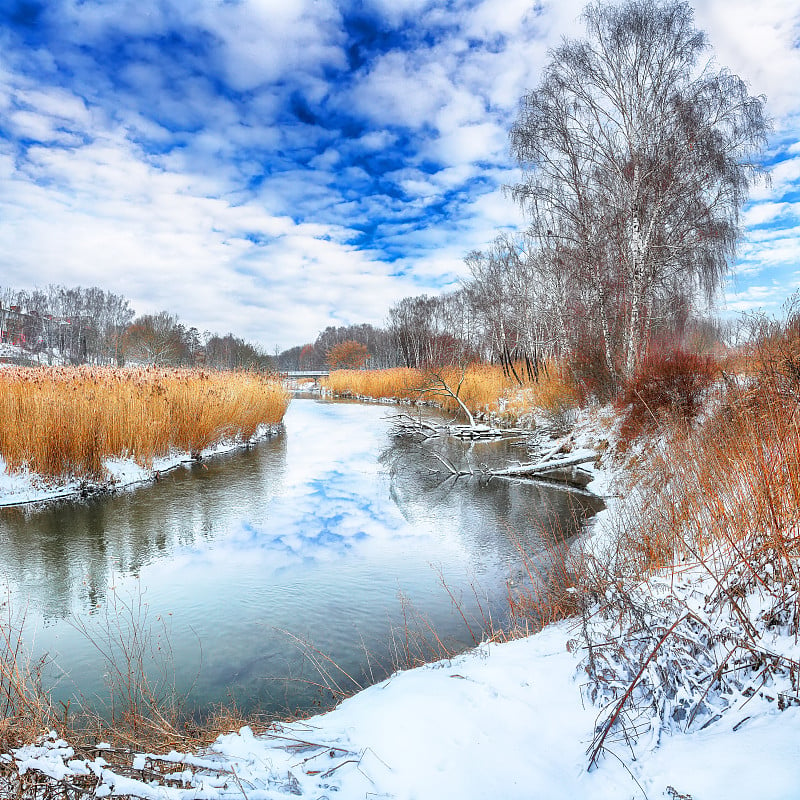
(332, 543)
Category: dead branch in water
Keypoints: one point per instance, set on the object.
(407, 424)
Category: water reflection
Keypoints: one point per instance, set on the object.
(66, 554)
(327, 533)
(494, 517)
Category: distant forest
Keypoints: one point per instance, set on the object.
(489, 319)
(92, 326)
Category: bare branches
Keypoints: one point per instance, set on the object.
(636, 163)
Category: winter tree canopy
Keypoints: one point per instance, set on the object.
(637, 155)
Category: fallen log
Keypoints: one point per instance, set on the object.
(539, 467)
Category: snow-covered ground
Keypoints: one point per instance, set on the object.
(12, 353)
(26, 487)
(503, 721)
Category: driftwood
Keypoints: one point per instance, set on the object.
(406, 423)
(541, 469)
(543, 466)
(547, 466)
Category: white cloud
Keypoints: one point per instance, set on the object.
(102, 215)
(761, 213)
(227, 225)
(755, 298)
(468, 144)
(263, 40)
(757, 41)
(56, 103)
(401, 89)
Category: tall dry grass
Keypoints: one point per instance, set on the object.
(25, 707)
(485, 388)
(397, 383)
(716, 504)
(63, 421)
(719, 492)
(728, 488)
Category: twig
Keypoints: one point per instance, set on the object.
(624, 699)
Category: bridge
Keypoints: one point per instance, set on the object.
(306, 373)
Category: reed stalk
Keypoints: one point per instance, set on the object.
(485, 388)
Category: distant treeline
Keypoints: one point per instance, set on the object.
(497, 316)
(503, 315)
(92, 326)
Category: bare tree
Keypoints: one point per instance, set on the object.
(637, 158)
(410, 323)
(230, 353)
(154, 339)
(518, 303)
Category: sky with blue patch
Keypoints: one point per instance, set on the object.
(271, 167)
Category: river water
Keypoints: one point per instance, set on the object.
(333, 543)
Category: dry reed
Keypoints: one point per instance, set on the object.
(397, 383)
(26, 709)
(64, 421)
(486, 388)
(731, 485)
(717, 501)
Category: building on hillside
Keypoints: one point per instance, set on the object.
(12, 325)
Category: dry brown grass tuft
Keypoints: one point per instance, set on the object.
(729, 486)
(63, 421)
(25, 708)
(718, 504)
(397, 383)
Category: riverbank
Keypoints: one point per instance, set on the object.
(492, 395)
(75, 431)
(507, 720)
(23, 488)
(520, 719)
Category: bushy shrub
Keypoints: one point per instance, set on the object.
(776, 351)
(668, 381)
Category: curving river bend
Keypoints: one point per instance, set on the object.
(335, 532)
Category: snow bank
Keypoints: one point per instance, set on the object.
(509, 721)
(503, 721)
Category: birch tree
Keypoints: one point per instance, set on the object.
(637, 155)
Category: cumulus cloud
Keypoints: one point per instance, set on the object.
(742, 33)
(272, 167)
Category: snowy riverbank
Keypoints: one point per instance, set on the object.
(24, 488)
(505, 721)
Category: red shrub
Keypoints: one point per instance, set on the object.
(670, 381)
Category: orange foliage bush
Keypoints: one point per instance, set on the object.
(347, 355)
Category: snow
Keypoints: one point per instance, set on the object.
(511, 720)
(505, 720)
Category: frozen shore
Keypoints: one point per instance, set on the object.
(507, 721)
(502, 721)
(25, 488)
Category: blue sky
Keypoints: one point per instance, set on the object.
(270, 167)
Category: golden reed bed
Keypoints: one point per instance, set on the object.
(483, 387)
(63, 421)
